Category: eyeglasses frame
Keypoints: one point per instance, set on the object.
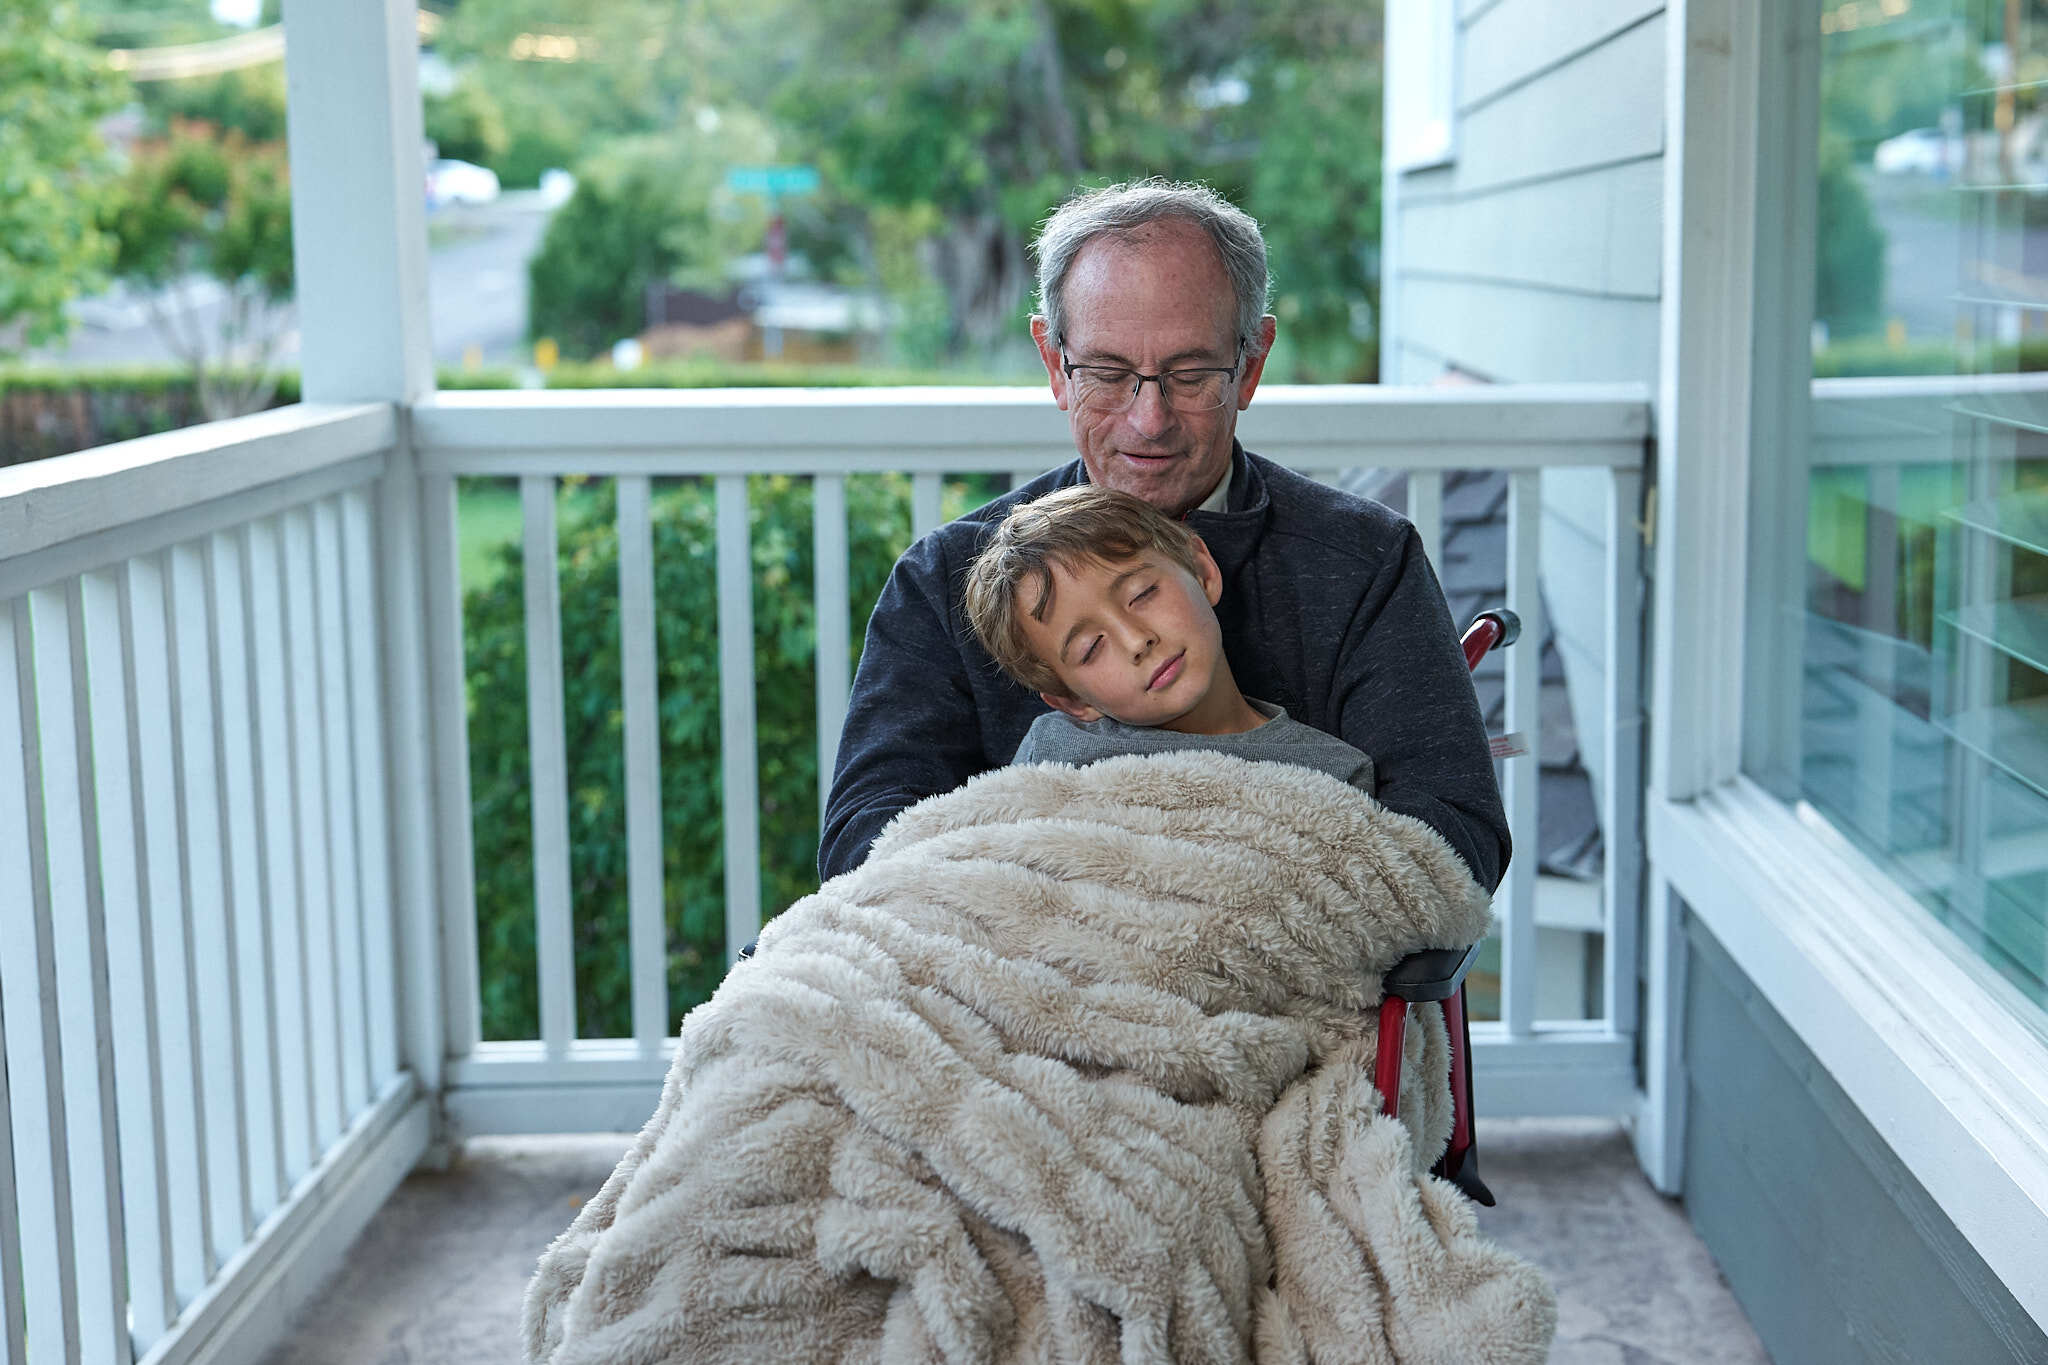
(1141, 379)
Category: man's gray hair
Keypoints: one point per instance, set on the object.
(1118, 211)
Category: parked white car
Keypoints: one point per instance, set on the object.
(460, 182)
(1923, 151)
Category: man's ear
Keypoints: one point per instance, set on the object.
(1072, 706)
(1049, 356)
(1255, 363)
(1206, 572)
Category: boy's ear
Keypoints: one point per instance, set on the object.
(1073, 706)
(1206, 572)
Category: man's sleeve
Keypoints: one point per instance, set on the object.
(912, 730)
(1405, 697)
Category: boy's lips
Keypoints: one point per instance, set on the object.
(1166, 673)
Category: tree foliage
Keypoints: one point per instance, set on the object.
(1848, 292)
(947, 129)
(248, 100)
(687, 686)
(195, 206)
(468, 124)
(54, 88)
(645, 209)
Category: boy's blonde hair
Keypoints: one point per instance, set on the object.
(1066, 528)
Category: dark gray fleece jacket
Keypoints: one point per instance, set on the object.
(1330, 609)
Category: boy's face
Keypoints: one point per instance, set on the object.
(1135, 639)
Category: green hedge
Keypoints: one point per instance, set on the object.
(47, 412)
(686, 654)
(1863, 357)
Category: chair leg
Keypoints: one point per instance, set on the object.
(1386, 1071)
(1460, 1161)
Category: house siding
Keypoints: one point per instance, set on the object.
(1536, 256)
(1834, 1250)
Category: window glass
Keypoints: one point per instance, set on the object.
(1899, 678)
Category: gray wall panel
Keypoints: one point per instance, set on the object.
(1605, 107)
(1596, 231)
(1518, 38)
(1834, 1250)
(1510, 332)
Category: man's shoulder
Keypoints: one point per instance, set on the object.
(947, 548)
(1317, 514)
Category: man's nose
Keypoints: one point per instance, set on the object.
(1150, 414)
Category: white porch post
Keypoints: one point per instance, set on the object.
(359, 247)
(1702, 506)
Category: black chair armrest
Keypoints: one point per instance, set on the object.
(1432, 974)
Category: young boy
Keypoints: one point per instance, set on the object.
(1105, 606)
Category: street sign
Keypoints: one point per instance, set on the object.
(772, 180)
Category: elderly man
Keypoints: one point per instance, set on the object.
(1154, 333)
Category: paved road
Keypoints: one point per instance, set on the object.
(1932, 238)
(476, 282)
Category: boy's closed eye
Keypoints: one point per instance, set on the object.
(1142, 594)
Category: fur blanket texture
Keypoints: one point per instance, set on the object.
(1077, 1067)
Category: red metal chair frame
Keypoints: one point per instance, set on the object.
(1439, 975)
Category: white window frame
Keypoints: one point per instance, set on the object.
(1421, 108)
(1929, 1046)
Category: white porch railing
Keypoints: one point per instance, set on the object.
(197, 971)
(231, 1010)
(1526, 1064)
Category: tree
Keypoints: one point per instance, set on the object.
(1848, 293)
(468, 125)
(54, 88)
(645, 210)
(248, 100)
(1322, 129)
(989, 112)
(197, 207)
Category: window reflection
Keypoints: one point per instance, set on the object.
(1914, 648)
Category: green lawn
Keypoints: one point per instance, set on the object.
(486, 516)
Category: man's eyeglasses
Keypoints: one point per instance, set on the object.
(1114, 388)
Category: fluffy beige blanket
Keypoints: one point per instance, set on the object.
(1076, 1068)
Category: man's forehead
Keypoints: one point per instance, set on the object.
(1165, 293)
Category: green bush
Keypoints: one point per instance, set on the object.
(466, 124)
(686, 654)
(646, 210)
(1848, 291)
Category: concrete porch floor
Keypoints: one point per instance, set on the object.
(437, 1277)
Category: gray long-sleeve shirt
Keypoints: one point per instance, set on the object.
(1329, 609)
(1058, 738)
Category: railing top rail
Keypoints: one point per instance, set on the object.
(45, 503)
(1926, 386)
(1594, 424)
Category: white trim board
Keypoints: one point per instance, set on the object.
(1915, 1035)
(254, 1297)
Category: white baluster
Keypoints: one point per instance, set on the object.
(830, 573)
(554, 936)
(736, 717)
(366, 728)
(638, 678)
(338, 758)
(316, 871)
(1517, 896)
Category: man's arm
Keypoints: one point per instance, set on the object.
(912, 730)
(1405, 697)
